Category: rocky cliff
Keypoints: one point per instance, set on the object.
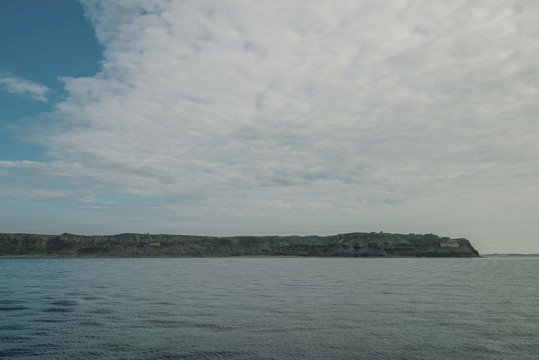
(146, 245)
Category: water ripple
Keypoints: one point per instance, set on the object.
(269, 308)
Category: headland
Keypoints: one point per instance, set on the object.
(357, 244)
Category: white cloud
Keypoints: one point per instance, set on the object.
(23, 87)
(308, 115)
(19, 192)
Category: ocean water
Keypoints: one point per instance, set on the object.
(269, 308)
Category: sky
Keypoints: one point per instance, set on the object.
(271, 118)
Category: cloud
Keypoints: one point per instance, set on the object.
(25, 192)
(307, 114)
(274, 94)
(23, 87)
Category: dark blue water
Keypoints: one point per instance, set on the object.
(269, 308)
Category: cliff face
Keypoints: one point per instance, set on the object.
(146, 245)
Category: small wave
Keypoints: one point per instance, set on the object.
(90, 323)
(170, 324)
(9, 302)
(48, 320)
(12, 308)
(214, 327)
(13, 352)
(13, 338)
(57, 310)
(166, 303)
(102, 311)
(65, 303)
(11, 327)
(208, 354)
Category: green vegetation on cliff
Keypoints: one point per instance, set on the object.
(146, 245)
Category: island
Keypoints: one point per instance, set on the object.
(372, 244)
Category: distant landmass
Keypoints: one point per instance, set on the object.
(496, 255)
(148, 245)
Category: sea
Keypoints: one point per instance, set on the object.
(269, 308)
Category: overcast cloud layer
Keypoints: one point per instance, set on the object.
(299, 117)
